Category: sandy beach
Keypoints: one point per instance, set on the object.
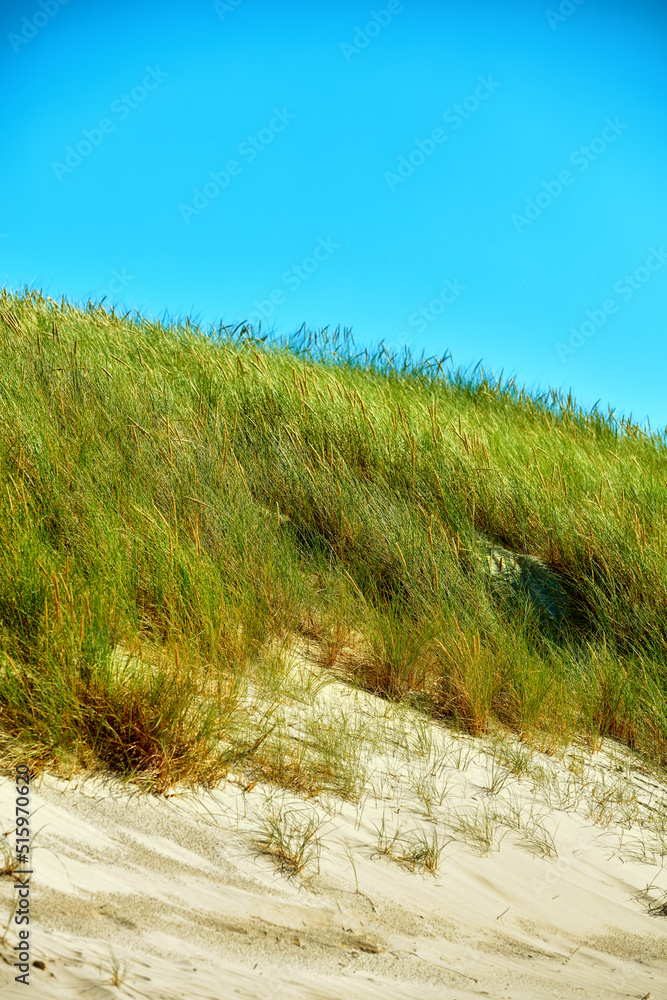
(468, 867)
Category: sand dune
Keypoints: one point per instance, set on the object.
(541, 888)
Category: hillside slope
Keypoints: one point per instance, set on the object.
(199, 500)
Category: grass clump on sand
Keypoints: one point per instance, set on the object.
(196, 500)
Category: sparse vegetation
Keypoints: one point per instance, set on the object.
(290, 838)
(9, 862)
(118, 970)
(482, 828)
(422, 853)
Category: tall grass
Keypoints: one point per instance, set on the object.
(193, 498)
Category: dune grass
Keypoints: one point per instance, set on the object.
(199, 500)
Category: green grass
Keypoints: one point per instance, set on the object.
(200, 501)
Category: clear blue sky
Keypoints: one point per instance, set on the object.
(484, 178)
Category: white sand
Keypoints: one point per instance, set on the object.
(176, 887)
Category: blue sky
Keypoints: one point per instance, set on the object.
(485, 179)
